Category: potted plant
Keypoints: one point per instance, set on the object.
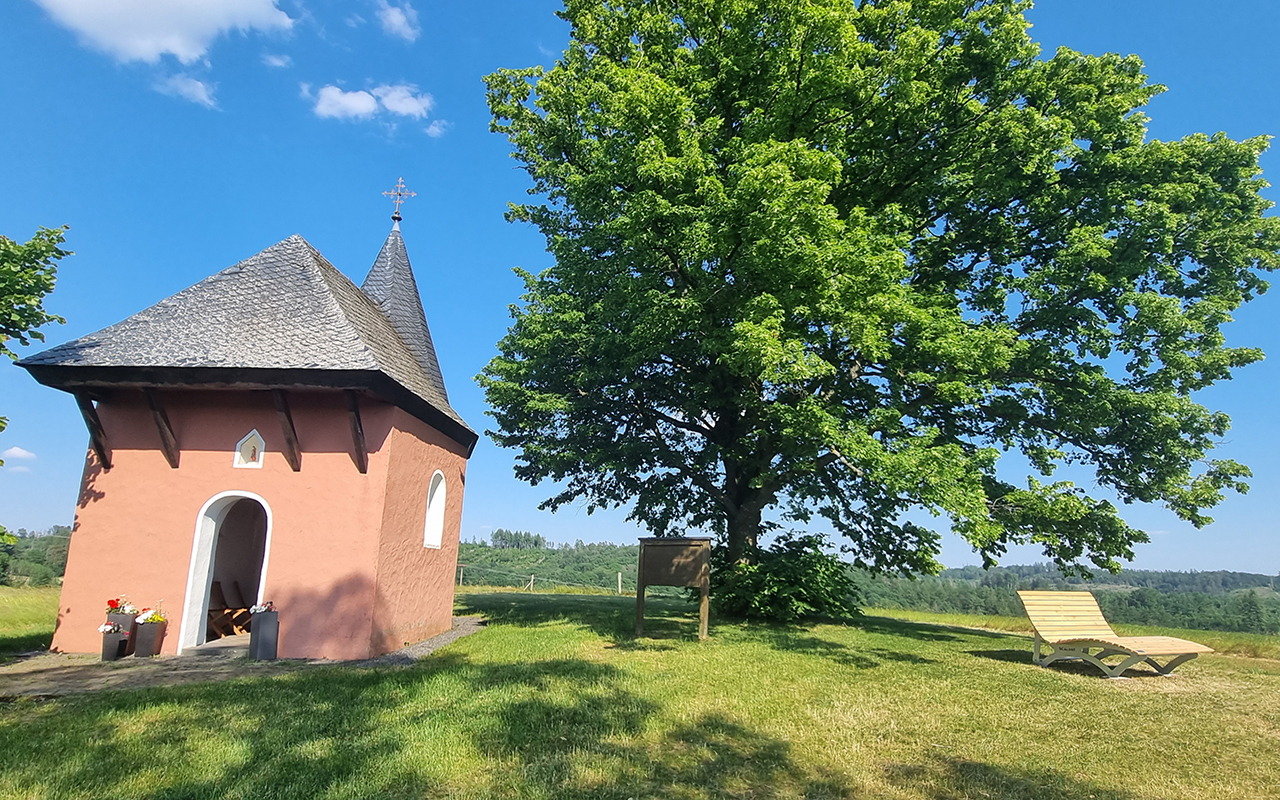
(114, 640)
(264, 631)
(122, 613)
(151, 625)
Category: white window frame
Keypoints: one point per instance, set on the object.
(433, 529)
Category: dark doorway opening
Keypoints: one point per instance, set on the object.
(237, 568)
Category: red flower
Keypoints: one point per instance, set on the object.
(113, 604)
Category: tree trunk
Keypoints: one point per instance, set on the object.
(743, 533)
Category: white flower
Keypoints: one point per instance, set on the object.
(109, 627)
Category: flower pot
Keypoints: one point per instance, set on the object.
(127, 625)
(149, 638)
(264, 633)
(113, 645)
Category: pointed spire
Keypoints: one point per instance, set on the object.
(391, 286)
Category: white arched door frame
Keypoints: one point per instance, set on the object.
(195, 608)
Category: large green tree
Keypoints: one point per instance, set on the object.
(839, 258)
(27, 273)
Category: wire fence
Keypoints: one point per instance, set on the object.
(476, 575)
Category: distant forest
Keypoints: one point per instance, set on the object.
(1226, 601)
(39, 558)
(1229, 601)
(509, 558)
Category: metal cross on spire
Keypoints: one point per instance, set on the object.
(398, 195)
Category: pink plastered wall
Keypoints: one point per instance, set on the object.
(135, 524)
(415, 583)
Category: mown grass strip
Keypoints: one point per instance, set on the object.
(27, 618)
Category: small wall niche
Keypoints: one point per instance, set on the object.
(250, 452)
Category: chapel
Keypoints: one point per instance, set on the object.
(272, 433)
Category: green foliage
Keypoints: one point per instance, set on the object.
(792, 580)
(35, 558)
(579, 565)
(31, 573)
(504, 539)
(838, 257)
(27, 273)
(1215, 601)
(1252, 618)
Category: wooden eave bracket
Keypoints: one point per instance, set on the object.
(357, 431)
(97, 434)
(168, 443)
(292, 452)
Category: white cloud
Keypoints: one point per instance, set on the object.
(403, 99)
(18, 453)
(144, 30)
(437, 128)
(399, 21)
(272, 60)
(188, 88)
(19, 469)
(333, 102)
(354, 21)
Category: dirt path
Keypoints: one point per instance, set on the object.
(58, 674)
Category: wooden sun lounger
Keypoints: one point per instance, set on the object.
(1072, 624)
(226, 619)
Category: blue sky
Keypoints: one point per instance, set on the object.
(175, 144)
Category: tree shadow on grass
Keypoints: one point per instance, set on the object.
(925, 631)
(957, 779)
(563, 728)
(717, 757)
(13, 645)
(1073, 667)
(798, 640)
(669, 620)
(610, 617)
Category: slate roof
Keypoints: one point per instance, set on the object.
(285, 309)
(390, 284)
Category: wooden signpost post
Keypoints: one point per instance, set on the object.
(671, 561)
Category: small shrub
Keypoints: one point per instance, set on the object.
(35, 574)
(794, 579)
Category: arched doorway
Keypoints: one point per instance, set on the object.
(229, 557)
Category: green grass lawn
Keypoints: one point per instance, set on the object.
(555, 699)
(26, 619)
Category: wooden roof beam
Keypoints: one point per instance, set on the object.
(292, 451)
(168, 443)
(97, 434)
(357, 431)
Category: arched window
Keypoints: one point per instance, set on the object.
(434, 533)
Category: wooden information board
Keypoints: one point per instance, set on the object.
(675, 561)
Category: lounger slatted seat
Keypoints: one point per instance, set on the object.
(1072, 624)
(227, 618)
